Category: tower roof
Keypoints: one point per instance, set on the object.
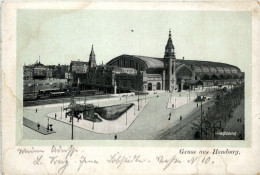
(92, 51)
(169, 44)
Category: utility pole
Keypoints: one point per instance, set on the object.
(72, 116)
(138, 101)
(126, 117)
(60, 112)
(201, 120)
(72, 106)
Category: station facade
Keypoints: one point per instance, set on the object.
(169, 73)
(129, 73)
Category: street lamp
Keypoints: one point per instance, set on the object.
(60, 112)
(201, 119)
(72, 106)
(126, 117)
(138, 101)
(134, 109)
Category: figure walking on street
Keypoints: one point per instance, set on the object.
(38, 126)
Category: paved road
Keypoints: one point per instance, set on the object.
(151, 121)
(182, 129)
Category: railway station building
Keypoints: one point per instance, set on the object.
(127, 73)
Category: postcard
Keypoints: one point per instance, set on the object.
(130, 88)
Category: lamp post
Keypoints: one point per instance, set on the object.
(72, 106)
(126, 117)
(60, 112)
(201, 119)
(138, 101)
(48, 126)
(189, 94)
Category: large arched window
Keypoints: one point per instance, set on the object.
(150, 86)
(158, 86)
(184, 72)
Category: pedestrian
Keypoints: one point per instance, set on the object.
(51, 127)
(237, 119)
(157, 95)
(36, 110)
(38, 126)
(197, 105)
(115, 137)
(55, 116)
(172, 105)
(180, 118)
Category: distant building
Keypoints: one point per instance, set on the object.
(111, 79)
(79, 70)
(59, 71)
(79, 67)
(39, 71)
(27, 72)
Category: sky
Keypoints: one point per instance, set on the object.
(59, 36)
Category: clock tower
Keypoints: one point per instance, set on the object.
(169, 64)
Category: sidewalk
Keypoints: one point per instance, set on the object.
(32, 125)
(106, 126)
(176, 102)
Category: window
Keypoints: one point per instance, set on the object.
(150, 86)
(158, 86)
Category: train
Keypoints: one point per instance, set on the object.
(56, 92)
